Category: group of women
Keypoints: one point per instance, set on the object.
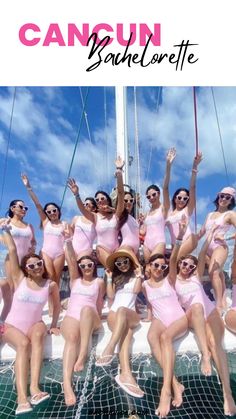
(173, 290)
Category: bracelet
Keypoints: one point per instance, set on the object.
(109, 280)
(194, 170)
(68, 240)
(77, 196)
(178, 242)
(119, 168)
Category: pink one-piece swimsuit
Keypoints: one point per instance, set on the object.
(223, 228)
(22, 238)
(172, 223)
(130, 233)
(155, 229)
(107, 232)
(82, 296)
(84, 236)
(53, 240)
(27, 306)
(164, 302)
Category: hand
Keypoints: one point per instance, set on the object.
(25, 180)
(108, 273)
(71, 183)
(138, 271)
(183, 224)
(141, 219)
(107, 208)
(67, 232)
(119, 163)
(171, 154)
(54, 331)
(197, 160)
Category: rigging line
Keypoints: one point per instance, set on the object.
(136, 137)
(76, 143)
(106, 137)
(85, 116)
(196, 147)
(7, 150)
(221, 141)
(151, 149)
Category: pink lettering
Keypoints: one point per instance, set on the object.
(22, 34)
(54, 35)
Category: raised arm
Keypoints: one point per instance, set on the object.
(75, 190)
(16, 272)
(174, 254)
(203, 251)
(120, 186)
(166, 197)
(192, 187)
(71, 260)
(34, 198)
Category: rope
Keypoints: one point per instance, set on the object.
(85, 116)
(7, 150)
(221, 142)
(157, 108)
(106, 137)
(196, 146)
(137, 180)
(76, 143)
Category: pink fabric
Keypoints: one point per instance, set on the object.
(130, 234)
(107, 232)
(172, 223)
(223, 228)
(164, 302)
(155, 229)
(27, 306)
(82, 296)
(53, 240)
(84, 236)
(22, 238)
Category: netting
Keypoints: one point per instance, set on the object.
(98, 395)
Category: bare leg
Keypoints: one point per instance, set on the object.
(215, 330)
(58, 267)
(70, 330)
(37, 336)
(159, 248)
(146, 253)
(21, 343)
(89, 321)
(102, 255)
(168, 356)
(230, 320)
(154, 333)
(197, 322)
(218, 259)
(7, 299)
(188, 246)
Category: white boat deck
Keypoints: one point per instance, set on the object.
(54, 344)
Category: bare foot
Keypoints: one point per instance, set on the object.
(79, 365)
(206, 365)
(70, 398)
(178, 390)
(164, 404)
(229, 406)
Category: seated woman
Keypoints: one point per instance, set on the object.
(202, 315)
(24, 328)
(230, 317)
(82, 317)
(168, 323)
(123, 285)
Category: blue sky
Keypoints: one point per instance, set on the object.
(45, 127)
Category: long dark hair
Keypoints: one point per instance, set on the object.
(106, 195)
(24, 263)
(121, 278)
(9, 212)
(125, 213)
(177, 193)
(94, 266)
(229, 207)
(92, 200)
(192, 257)
(155, 187)
(44, 210)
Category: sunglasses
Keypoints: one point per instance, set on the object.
(100, 199)
(161, 266)
(182, 198)
(53, 211)
(122, 262)
(86, 265)
(152, 195)
(187, 265)
(225, 196)
(34, 265)
(87, 204)
(21, 207)
(131, 200)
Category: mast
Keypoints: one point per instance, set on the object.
(121, 129)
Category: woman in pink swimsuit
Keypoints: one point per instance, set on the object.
(82, 317)
(183, 203)
(153, 226)
(224, 217)
(107, 218)
(201, 313)
(230, 317)
(53, 234)
(23, 236)
(168, 323)
(84, 232)
(123, 285)
(24, 328)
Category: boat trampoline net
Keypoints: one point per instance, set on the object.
(98, 395)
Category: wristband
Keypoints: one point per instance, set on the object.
(109, 280)
(77, 196)
(178, 242)
(194, 170)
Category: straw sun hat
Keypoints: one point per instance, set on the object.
(119, 254)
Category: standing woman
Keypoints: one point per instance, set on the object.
(84, 232)
(106, 219)
(202, 315)
(82, 318)
(123, 285)
(184, 203)
(168, 323)
(24, 328)
(224, 217)
(53, 234)
(23, 236)
(153, 227)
